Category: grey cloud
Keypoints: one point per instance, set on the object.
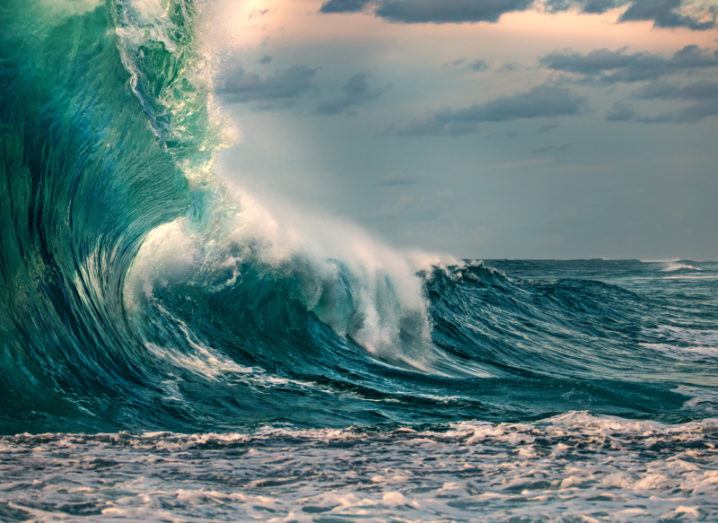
(692, 114)
(278, 89)
(584, 6)
(541, 101)
(430, 11)
(603, 65)
(666, 13)
(663, 13)
(702, 99)
(621, 112)
(343, 6)
(479, 65)
(475, 65)
(448, 11)
(355, 92)
(509, 67)
(695, 91)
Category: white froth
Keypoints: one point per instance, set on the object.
(579, 466)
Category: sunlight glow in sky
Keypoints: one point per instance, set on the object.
(557, 133)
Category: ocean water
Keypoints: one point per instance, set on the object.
(172, 350)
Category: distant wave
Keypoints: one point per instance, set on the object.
(679, 266)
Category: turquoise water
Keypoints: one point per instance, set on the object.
(167, 348)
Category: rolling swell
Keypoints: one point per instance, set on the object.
(138, 293)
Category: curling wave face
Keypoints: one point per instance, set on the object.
(138, 293)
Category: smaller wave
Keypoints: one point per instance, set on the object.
(674, 266)
(706, 277)
(691, 350)
(688, 336)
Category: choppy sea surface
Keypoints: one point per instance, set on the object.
(572, 467)
(568, 466)
(172, 350)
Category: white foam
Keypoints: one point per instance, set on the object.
(356, 284)
(694, 350)
(673, 266)
(379, 299)
(579, 466)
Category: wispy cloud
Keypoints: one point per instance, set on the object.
(621, 112)
(541, 101)
(277, 89)
(701, 97)
(354, 93)
(607, 66)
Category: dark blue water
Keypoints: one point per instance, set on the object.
(170, 349)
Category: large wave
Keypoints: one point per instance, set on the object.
(139, 292)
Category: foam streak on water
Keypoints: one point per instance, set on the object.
(583, 467)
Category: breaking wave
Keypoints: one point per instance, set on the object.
(137, 292)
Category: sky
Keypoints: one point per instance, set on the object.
(481, 128)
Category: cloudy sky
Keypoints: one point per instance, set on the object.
(482, 128)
